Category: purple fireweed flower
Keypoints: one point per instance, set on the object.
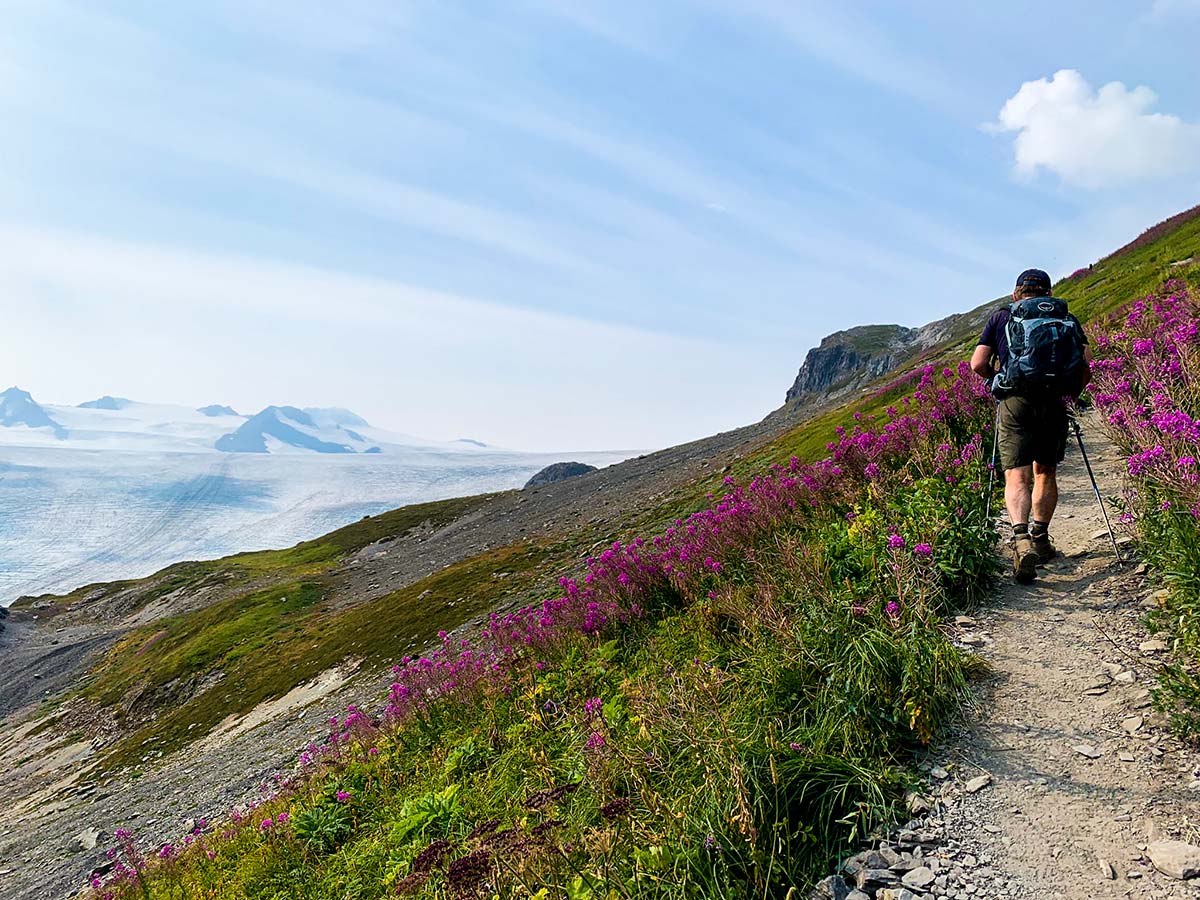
(343, 797)
(595, 741)
(895, 541)
(923, 550)
(593, 707)
(893, 609)
(266, 824)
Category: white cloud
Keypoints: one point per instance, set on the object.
(1096, 138)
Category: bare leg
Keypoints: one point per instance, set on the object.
(1018, 494)
(1045, 492)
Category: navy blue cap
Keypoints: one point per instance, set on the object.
(1034, 278)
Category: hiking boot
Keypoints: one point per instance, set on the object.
(1025, 559)
(1045, 550)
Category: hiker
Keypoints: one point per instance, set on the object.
(1034, 354)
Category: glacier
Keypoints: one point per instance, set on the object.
(130, 490)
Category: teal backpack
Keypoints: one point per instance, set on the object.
(1045, 351)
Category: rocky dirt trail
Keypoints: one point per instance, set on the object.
(1062, 782)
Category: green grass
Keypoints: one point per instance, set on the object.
(264, 645)
(750, 734)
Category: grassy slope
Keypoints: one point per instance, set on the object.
(265, 645)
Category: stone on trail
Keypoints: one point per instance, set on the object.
(917, 803)
(866, 878)
(1126, 677)
(894, 894)
(1106, 870)
(831, 888)
(1153, 646)
(1175, 858)
(939, 773)
(1131, 724)
(857, 895)
(918, 878)
(1087, 750)
(977, 784)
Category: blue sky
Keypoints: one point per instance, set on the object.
(553, 225)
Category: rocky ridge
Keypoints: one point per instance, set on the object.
(846, 361)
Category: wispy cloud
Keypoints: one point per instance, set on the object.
(165, 323)
(849, 41)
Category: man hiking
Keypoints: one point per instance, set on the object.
(1034, 354)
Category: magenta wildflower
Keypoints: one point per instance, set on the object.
(895, 541)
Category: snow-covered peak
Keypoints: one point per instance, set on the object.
(107, 402)
(280, 428)
(18, 409)
(216, 409)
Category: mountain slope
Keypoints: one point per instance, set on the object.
(387, 590)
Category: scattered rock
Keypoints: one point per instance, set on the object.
(1126, 677)
(1153, 646)
(977, 784)
(1175, 858)
(1131, 724)
(917, 803)
(918, 878)
(831, 888)
(1087, 750)
(939, 773)
(86, 839)
(874, 878)
(1106, 870)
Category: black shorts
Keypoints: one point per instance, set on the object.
(1032, 430)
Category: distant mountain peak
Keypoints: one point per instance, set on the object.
(106, 402)
(17, 407)
(289, 426)
(215, 409)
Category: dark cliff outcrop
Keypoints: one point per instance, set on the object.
(847, 361)
(847, 358)
(559, 472)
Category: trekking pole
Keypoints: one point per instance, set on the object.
(1095, 489)
(987, 514)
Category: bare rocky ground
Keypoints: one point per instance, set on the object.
(1062, 781)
